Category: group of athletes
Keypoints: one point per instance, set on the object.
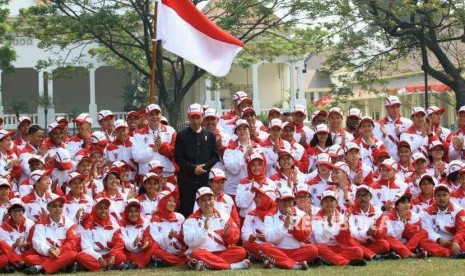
(296, 191)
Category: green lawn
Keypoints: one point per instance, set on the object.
(431, 266)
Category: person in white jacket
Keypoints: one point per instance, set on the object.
(331, 233)
(445, 223)
(78, 205)
(211, 237)
(165, 231)
(237, 154)
(54, 240)
(14, 238)
(256, 173)
(101, 241)
(288, 229)
(136, 237)
(155, 141)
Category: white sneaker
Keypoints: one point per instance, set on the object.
(245, 264)
(199, 266)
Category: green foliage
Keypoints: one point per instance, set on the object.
(376, 38)
(120, 32)
(7, 54)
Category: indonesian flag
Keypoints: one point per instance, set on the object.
(186, 32)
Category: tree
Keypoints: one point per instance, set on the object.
(123, 29)
(372, 36)
(7, 54)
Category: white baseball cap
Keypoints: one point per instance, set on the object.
(98, 137)
(322, 128)
(284, 192)
(435, 143)
(63, 157)
(4, 133)
(36, 158)
(301, 188)
(23, 119)
(60, 119)
(203, 191)
(119, 124)
(195, 109)
(351, 146)
(454, 166)
(255, 156)
(328, 193)
(104, 114)
(336, 110)
(462, 109)
(155, 164)
(53, 126)
(132, 202)
(298, 108)
(238, 95)
(276, 123)
(241, 122)
(364, 187)
(54, 198)
(248, 110)
(392, 100)
(418, 156)
(38, 174)
(324, 159)
(152, 107)
(150, 175)
(16, 202)
(5, 182)
(441, 187)
(342, 166)
(210, 112)
(417, 110)
(83, 118)
(430, 177)
(216, 174)
(274, 110)
(434, 109)
(367, 119)
(74, 175)
(355, 112)
(389, 164)
(335, 151)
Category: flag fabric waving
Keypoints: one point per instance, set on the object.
(186, 32)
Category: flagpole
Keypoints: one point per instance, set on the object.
(154, 54)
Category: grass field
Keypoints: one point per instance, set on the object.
(431, 266)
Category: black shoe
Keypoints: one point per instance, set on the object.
(460, 255)
(317, 262)
(376, 257)
(391, 256)
(32, 270)
(7, 269)
(361, 262)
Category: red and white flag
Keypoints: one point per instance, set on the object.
(186, 32)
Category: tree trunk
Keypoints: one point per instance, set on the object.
(459, 89)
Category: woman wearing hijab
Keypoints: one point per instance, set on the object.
(101, 241)
(256, 169)
(134, 230)
(253, 228)
(165, 230)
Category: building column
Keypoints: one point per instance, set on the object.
(367, 109)
(40, 109)
(217, 99)
(292, 83)
(301, 98)
(256, 100)
(316, 96)
(1, 94)
(208, 93)
(92, 105)
(51, 109)
(382, 108)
